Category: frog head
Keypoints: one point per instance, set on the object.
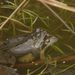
(42, 39)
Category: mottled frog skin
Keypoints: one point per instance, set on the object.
(30, 43)
(37, 40)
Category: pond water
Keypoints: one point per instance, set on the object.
(43, 19)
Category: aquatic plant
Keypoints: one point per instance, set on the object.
(56, 17)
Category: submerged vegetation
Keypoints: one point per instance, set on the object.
(19, 17)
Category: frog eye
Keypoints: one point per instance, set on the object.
(47, 41)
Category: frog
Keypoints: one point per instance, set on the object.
(36, 41)
(30, 44)
(32, 47)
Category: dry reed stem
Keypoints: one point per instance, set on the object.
(21, 4)
(56, 15)
(58, 4)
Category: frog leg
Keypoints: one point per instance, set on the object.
(42, 54)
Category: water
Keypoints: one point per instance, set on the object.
(66, 40)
